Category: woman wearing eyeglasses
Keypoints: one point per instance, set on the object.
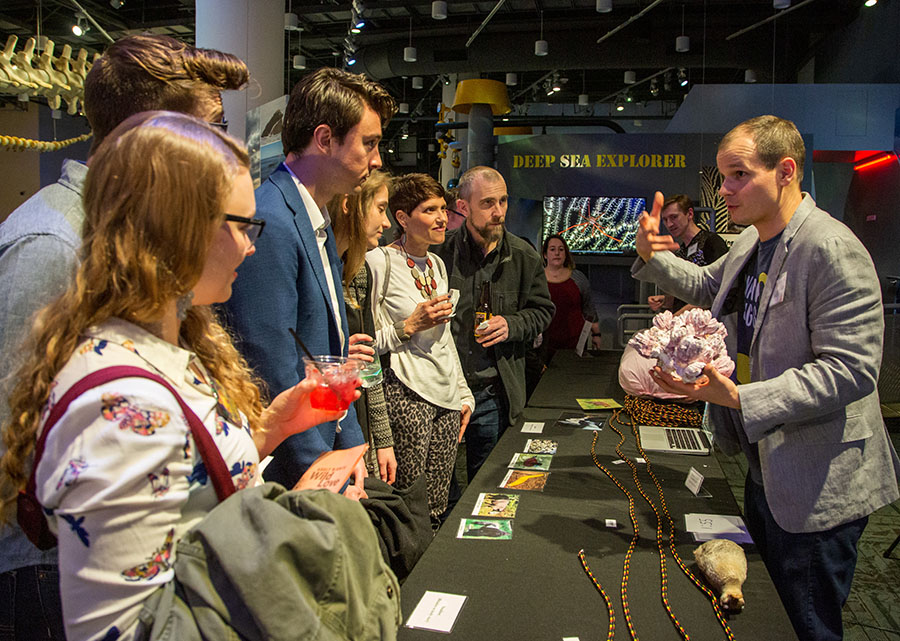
(168, 218)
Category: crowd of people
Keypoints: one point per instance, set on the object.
(151, 257)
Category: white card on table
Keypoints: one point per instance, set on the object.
(533, 427)
(436, 611)
(694, 481)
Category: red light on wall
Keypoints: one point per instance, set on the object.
(872, 162)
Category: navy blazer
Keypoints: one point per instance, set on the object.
(283, 285)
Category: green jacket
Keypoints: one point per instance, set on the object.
(519, 293)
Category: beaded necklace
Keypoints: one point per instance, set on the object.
(426, 284)
(659, 541)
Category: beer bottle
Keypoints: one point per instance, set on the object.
(483, 309)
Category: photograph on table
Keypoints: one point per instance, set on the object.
(477, 529)
(530, 461)
(491, 504)
(589, 404)
(580, 420)
(525, 480)
(540, 446)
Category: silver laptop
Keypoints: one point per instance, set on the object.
(680, 440)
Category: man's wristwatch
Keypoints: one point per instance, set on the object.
(400, 328)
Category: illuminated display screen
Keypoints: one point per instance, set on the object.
(593, 225)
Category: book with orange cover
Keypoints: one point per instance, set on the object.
(332, 469)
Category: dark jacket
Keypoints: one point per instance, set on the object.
(518, 293)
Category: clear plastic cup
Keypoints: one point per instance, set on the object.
(370, 373)
(338, 377)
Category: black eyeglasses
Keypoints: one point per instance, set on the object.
(253, 227)
(222, 124)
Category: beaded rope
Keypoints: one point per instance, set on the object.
(611, 634)
(623, 590)
(690, 575)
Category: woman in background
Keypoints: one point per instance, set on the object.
(169, 212)
(571, 293)
(429, 403)
(358, 222)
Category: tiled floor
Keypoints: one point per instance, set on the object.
(873, 609)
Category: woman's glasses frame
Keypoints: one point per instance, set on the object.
(253, 226)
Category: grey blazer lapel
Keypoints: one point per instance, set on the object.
(778, 259)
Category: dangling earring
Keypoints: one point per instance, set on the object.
(183, 305)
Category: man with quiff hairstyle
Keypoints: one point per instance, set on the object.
(39, 245)
(332, 127)
(801, 301)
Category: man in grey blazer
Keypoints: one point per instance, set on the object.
(800, 298)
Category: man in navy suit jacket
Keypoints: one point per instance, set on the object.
(332, 127)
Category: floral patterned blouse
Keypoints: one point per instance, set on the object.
(122, 479)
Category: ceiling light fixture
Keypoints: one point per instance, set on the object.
(871, 3)
(628, 96)
(630, 77)
(81, 25)
(749, 76)
(682, 42)
(439, 10)
(417, 82)
(604, 6)
(781, 4)
(512, 79)
(583, 100)
(682, 77)
(116, 4)
(620, 104)
(299, 61)
(541, 48)
(667, 81)
(291, 22)
(409, 53)
(654, 87)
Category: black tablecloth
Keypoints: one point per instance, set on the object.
(569, 376)
(533, 586)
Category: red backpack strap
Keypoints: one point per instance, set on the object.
(209, 453)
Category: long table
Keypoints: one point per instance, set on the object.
(533, 586)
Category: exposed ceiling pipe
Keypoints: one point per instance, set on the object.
(484, 23)
(629, 21)
(769, 19)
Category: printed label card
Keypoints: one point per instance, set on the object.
(492, 504)
(588, 404)
(525, 480)
(531, 461)
(540, 446)
(479, 529)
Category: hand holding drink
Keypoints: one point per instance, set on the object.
(337, 378)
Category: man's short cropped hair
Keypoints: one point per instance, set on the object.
(409, 191)
(471, 175)
(148, 73)
(684, 202)
(775, 138)
(332, 97)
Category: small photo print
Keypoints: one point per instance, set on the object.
(582, 421)
(531, 461)
(477, 529)
(540, 446)
(502, 505)
(598, 403)
(525, 480)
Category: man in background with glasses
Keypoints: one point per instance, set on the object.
(39, 245)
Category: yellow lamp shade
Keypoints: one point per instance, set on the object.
(513, 131)
(481, 91)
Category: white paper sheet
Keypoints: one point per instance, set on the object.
(436, 611)
(532, 427)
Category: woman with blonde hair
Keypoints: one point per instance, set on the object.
(358, 221)
(168, 218)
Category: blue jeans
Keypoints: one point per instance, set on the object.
(812, 571)
(486, 426)
(30, 606)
